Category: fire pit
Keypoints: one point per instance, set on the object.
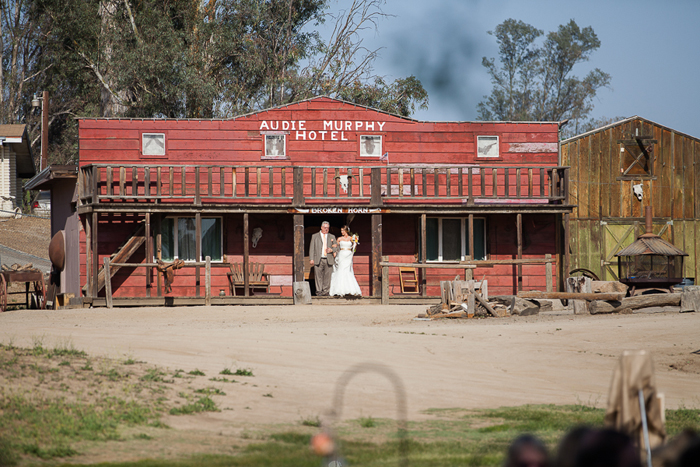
(650, 262)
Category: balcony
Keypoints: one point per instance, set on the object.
(280, 188)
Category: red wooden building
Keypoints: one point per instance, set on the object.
(439, 196)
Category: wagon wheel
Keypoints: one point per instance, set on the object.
(40, 293)
(3, 293)
(584, 272)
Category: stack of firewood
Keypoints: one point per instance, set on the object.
(18, 268)
(464, 299)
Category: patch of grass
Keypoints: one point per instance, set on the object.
(226, 371)
(243, 372)
(46, 428)
(367, 422)
(66, 350)
(113, 375)
(210, 391)
(196, 372)
(268, 395)
(311, 421)
(202, 404)
(222, 380)
(155, 375)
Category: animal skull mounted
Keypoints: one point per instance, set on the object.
(257, 235)
(344, 181)
(638, 192)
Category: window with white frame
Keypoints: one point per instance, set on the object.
(487, 146)
(153, 144)
(370, 145)
(275, 146)
(179, 239)
(447, 238)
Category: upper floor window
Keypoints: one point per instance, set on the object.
(153, 144)
(636, 158)
(487, 146)
(275, 146)
(370, 145)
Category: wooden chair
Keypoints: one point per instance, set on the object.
(409, 280)
(257, 278)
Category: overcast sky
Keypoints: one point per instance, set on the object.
(650, 48)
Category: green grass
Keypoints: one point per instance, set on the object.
(238, 372)
(46, 428)
(196, 372)
(201, 404)
(451, 437)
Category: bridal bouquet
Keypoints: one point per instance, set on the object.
(355, 241)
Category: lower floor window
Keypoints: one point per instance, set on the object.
(447, 238)
(179, 239)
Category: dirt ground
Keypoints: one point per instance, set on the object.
(27, 234)
(298, 353)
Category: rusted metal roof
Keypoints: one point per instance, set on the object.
(12, 131)
(650, 244)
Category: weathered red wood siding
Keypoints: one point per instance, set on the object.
(239, 141)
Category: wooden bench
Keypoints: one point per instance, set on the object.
(257, 278)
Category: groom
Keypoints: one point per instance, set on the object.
(321, 258)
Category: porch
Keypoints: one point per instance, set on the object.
(151, 193)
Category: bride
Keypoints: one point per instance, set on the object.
(343, 280)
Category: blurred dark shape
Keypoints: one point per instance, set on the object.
(606, 448)
(569, 446)
(681, 445)
(527, 451)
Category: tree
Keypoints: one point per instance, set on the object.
(535, 82)
(184, 59)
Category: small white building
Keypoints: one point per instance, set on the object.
(15, 163)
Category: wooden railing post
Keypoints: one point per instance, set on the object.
(94, 185)
(197, 192)
(376, 187)
(298, 188)
(548, 271)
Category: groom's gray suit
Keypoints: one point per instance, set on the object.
(323, 265)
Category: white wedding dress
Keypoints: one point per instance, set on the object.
(343, 280)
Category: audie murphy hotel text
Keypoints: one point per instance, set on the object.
(333, 130)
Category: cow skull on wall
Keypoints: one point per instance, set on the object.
(257, 235)
(638, 192)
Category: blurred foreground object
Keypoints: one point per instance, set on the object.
(634, 406)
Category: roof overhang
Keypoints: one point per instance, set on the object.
(45, 179)
(17, 139)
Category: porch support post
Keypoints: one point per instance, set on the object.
(159, 253)
(95, 257)
(471, 236)
(246, 256)
(88, 255)
(149, 253)
(567, 255)
(519, 222)
(198, 249)
(298, 259)
(423, 254)
(376, 254)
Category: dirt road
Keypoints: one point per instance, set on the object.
(298, 353)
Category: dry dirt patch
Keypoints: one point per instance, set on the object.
(298, 353)
(27, 234)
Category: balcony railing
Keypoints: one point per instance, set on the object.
(303, 186)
